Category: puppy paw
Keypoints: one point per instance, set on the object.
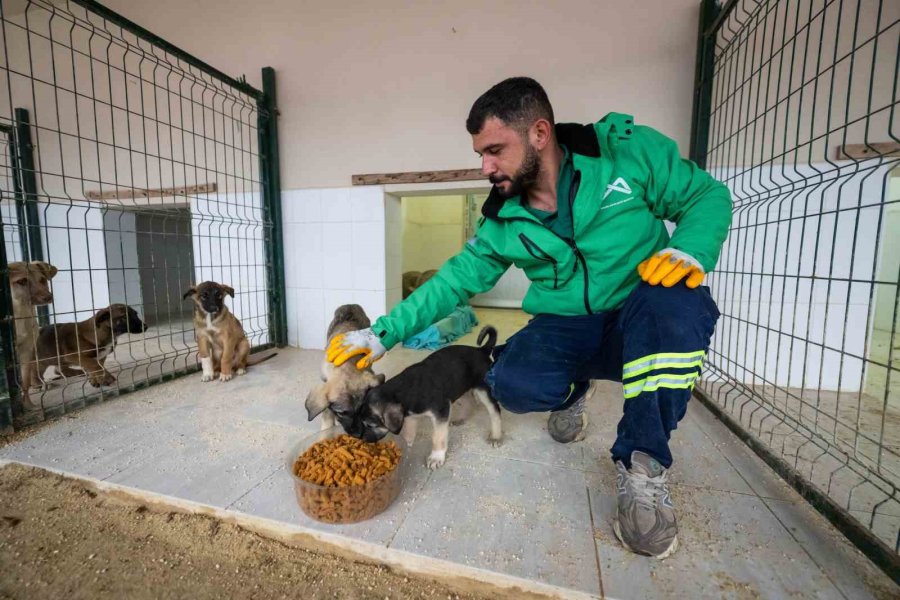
(225, 376)
(495, 442)
(436, 459)
(102, 380)
(207, 377)
(241, 371)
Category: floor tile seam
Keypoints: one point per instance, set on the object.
(812, 558)
(728, 460)
(766, 500)
(416, 495)
(259, 483)
(596, 550)
(531, 462)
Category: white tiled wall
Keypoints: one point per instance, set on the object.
(334, 253)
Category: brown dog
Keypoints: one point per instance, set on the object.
(81, 348)
(343, 387)
(30, 283)
(221, 341)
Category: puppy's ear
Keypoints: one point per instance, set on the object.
(102, 315)
(227, 289)
(316, 402)
(190, 292)
(47, 269)
(393, 416)
(380, 378)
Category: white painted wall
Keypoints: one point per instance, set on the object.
(370, 87)
(433, 230)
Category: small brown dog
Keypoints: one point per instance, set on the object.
(81, 348)
(221, 341)
(30, 282)
(346, 385)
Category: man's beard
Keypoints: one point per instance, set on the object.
(524, 178)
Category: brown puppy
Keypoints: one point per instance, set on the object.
(221, 341)
(30, 283)
(81, 348)
(342, 385)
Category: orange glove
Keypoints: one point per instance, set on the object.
(363, 343)
(669, 266)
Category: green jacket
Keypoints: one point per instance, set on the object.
(629, 179)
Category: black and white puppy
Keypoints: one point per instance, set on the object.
(428, 389)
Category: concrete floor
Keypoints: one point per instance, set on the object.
(532, 508)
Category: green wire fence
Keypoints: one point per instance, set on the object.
(135, 169)
(794, 109)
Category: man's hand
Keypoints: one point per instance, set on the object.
(354, 343)
(669, 266)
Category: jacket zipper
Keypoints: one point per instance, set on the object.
(570, 242)
(576, 182)
(538, 253)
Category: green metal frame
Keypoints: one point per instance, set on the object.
(271, 178)
(27, 193)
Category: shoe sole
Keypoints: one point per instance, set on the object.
(579, 436)
(665, 554)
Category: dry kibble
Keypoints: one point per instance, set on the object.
(360, 479)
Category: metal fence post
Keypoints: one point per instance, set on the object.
(703, 79)
(271, 184)
(26, 201)
(8, 387)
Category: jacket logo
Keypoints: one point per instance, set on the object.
(619, 185)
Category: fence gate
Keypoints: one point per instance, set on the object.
(134, 169)
(794, 110)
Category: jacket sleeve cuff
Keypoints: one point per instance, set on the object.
(388, 340)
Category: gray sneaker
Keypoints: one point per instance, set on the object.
(645, 522)
(568, 425)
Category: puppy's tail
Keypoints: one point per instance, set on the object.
(255, 361)
(490, 333)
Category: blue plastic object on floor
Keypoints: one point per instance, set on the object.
(450, 328)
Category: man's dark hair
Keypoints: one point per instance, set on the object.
(517, 101)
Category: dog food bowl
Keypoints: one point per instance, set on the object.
(352, 503)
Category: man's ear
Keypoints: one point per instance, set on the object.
(316, 402)
(190, 292)
(540, 133)
(393, 416)
(102, 315)
(227, 289)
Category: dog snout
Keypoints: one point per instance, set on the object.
(373, 435)
(41, 299)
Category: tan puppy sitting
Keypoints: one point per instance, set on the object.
(30, 283)
(221, 341)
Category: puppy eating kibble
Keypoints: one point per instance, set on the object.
(221, 341)
(343, 387)
(82, 348)
(428, 389)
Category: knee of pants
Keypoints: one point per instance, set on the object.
(675, 313)
(517, 392)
